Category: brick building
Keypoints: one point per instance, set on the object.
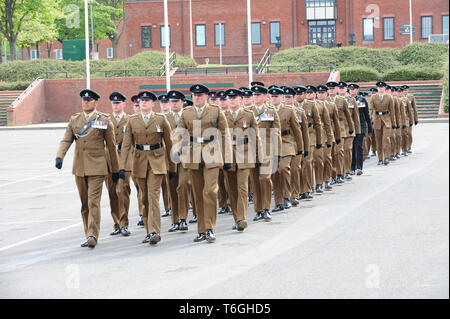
(329, 23)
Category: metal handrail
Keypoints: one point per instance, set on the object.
(172, 60)
(264, 60)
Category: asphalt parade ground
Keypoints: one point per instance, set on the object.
(384, 234)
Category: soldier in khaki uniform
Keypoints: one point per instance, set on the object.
(269, 148)
(336, 129)
(204, 157)
(395, 153)
(408, 120)
(179, 185)
(164, 108)
(382, 107)
(292, 145)
(348, 141)
(327, 138)
(90, 129)
(137, 109)
(296, 165)
(150, 134)
(119, 193)
(315, 138)
(413, 105)
(347, 127)
(369, 142)
(243, 130)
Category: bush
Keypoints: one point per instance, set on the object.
(413, 73)
(430, 54)
(30, 70)
(14, 86)
(445, 87)
(359, 74)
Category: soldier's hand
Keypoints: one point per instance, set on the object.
(350, 132)
(172, 175)
(58, 163)
(403, 126)
(299, 152)
(338, 141)
(257, 165)
(115, 177)
(122, 174)
(410, 125)
(176, 157)
(319, 146)
(328, 145)
(227, 166)
(416, 122)
(306, 154)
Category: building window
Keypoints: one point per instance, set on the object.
(388, 29)
(163, 37)
(274, 32)
(426, 27)
(109, 53)
(445, 24)
(320, 9)
(322, 33)
(256, 33)
(34, 54)
(200, 35)
(146, 37)
(219, 34)
(368, 29)
(58, 54)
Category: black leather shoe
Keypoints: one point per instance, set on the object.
(328, 187)
(374, 154)
(397, 155)
(294, 201)
(409, 151)
(287, 203)
(124, 231)
(183, 225)
(174, 227)
(319, 189)
(347, 176)
(84, 244)
(91, 241)
(228, 209)
(359, 172)
(266, 215)
(392, 158)
(278, 208)
(241, 225)
(352, 172)
(250, 198)
(301, 197)
(340, 179)
(332, 181)
(235, 226)
(193, 220)
(115, 232)
(199, 238)
(386, 161)
(308, 196)
(146, 239)
(154, 238)
(258, 216)
(210, 238)
(380, 162)
(222, 210)
(141, 221)
(166, 213)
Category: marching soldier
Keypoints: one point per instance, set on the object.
(213, 98)
(119, 193)
(179, 185)
(347, 128)
(244, 133)
(366, 127)
(90, 129)
(327, 137)
(336, 129)
(413, 105)
(137, 109)
(382, 107)
(268, 130)
(164, 108)
(408, 120)
(204, 157)
(292, 145)
(150, 134)
(370, 137)
(395, 152)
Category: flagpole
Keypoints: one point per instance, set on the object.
(410, 23)
(249, 37)
(86, 29)
(167, 42)
(190, 28)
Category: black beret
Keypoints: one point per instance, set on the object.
(147, 95)
(257, 89)
(353, 86)
(247, 93)
(135, 99)
(275, 91)
(117, 97)
(187, 103)
(88, 94)
(381, 84)
(288, 91)
(332, 84)
(199, 89)
(322, 88)
(342, 84)
(299, 89)
(221, 95)
(373, 90)
(254, 83)
(175, 95)
(163, 98)
(233, 92)
(311, 89)
(272, 86)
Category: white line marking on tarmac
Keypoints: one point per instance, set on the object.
(39, 237)
(40, 221)
(28, 179)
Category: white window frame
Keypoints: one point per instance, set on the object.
(109, 53)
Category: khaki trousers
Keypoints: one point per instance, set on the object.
(90, 192)
(238, 181)
(262, 190)
(119, 199)
(318, 157)
(166, 193)
(296, 170)
(281, 180)
(151, 188)
(338, 159)
(223, 189)
(138, 195)
(328, 162)
(307, 171)
(348, 149)
(205, 188)
(383, 142)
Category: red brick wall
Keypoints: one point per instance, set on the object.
(57, 99)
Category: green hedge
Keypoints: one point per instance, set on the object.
(30, 70)
(445, 86)
(14, 86)
(413, 73)
(359, 74)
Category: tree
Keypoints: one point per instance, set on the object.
(119, 19)
(12, 15)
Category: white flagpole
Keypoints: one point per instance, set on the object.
(220, 41)
(249, 37)
(86, 29)
(167, 42)
(190, 28)
(410, 23)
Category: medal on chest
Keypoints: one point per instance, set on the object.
(102, 125)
